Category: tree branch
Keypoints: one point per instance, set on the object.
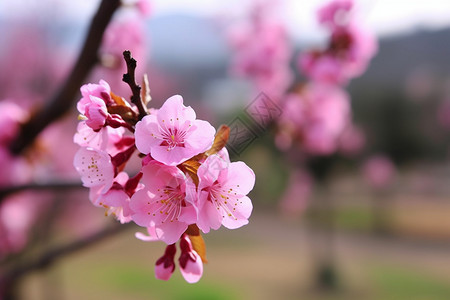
(62, 100)
(54, 186)
(130, 79)
(50, 257)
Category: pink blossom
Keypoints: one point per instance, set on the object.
(11, 116)
(222, 191)
(173, 135)
(144, 7)
(191, 265)
(315, 118)
(93, 103)
(352, 140)
(379, 171)
(95, 168)
(262, 53)
(333, 14)
(348, 53)
(161, 203)
(14, 170)
(55, 141)
(18, 213)
(322, 68)
(125, 32)
(96, 113)
(107, 139)
(165, 265)
(101, 90)
(115, 200)
(94, 106)
(151, 237)
(297, 194)
(443, 114)
(347, 57)
(40, 69)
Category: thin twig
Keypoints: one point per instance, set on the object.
(53, 186)
(53, 255)
(130, 79)
(62, 100)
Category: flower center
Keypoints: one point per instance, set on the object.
(225, 200)
(172, 137)
(169, 203)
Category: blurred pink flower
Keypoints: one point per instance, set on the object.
(11, 116)
(40, 68)
(125, 32)
(347, 56)
(297, 194)
(352, 140)
(173, 135)
(144, 7)
(350, 48)
(56, 148)
(18, 214)
(315, 118)
(222, 191)
(262, 53)
(333, 13)
(14, 169)
(379, 171)
(443, 114)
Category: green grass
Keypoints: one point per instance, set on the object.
(399, 283)
(349, 218)
(140, 282)
(354, 218)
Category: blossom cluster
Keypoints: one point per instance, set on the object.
(314, 119)
(317, 114)
(349, 50)
(186, 183)
(17, 212)
(262, 51)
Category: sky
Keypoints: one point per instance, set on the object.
(385, 17)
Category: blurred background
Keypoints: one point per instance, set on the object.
(367, 220)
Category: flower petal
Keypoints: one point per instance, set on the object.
(94, 167)
(193, 270)
(240, 216)
(147, 134)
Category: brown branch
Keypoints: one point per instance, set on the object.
(62, 100)
(11, 277)
(130, 79)
(53, 186)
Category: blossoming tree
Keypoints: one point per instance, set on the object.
(187, 183)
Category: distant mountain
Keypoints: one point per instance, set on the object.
(183, 41)
(399, 56)
(397, 99)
